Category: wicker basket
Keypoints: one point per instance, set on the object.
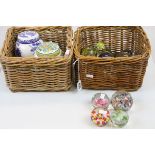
(112, 73)
(38, 74)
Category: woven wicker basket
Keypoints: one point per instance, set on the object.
(38, 74)
(112, 73)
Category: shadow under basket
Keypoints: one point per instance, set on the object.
(38, 74)
(112, 73)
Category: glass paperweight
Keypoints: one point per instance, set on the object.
(119, 118)
(122, 100)
(101, 100)
(100, 116)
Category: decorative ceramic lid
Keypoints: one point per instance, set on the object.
(28, 37)
(48, 49)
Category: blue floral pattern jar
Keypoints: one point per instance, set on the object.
(26, 43)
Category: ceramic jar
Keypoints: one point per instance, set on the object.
(48, 49)
(27, 42)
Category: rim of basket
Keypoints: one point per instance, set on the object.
(26, 59)
(145, 55)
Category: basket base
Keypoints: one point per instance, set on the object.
(39, 90)
(117, 89)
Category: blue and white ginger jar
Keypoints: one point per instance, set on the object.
(27, 42)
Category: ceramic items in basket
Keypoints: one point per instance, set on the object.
(99, 50)
(27, 42)
(124, 70)
(39, 74)
(89, 51)
(48, 49)
(124, 53)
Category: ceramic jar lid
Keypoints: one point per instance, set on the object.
(49, 49)
(28, 37)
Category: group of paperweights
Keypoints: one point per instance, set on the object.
(112, 112)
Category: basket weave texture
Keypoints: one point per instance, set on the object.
(114, 73)
(38, 74)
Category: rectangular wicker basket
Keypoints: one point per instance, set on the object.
(114, 73)
(38, 74)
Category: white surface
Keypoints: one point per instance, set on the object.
(71, 109)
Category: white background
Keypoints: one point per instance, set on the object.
(72, 109)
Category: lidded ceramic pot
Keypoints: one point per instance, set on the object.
(48, 49)
(27, 42)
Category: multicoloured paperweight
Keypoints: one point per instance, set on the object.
(100, 116)
(122, 100)
(119, 118)
(101, 100)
